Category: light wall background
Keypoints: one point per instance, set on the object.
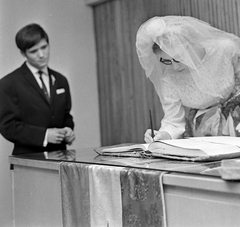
(69, 24)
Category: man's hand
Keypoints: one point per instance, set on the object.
(56, 135)
(69, 136)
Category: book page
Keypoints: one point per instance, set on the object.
(129, 148)
(176, 148)
(220, 139)
(194, 145)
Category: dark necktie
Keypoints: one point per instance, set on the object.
(44, 88)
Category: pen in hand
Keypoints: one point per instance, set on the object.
(151, 124)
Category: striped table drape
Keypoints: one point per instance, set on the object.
(98, 195)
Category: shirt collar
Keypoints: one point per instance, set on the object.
(34, 70)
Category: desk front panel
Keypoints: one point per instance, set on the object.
(191, 199)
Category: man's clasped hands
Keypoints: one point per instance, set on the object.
(58, 135)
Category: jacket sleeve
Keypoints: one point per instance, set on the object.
(11, 125)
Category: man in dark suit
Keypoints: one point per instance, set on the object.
(35, 100)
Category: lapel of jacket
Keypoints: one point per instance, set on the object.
(32, 81)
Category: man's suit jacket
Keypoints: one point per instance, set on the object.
(25, 113)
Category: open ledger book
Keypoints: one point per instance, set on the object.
(192, 149)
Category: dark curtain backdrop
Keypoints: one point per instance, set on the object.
(125, 95)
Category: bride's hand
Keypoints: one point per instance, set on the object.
(158, 135)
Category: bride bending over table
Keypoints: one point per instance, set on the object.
(195, 69)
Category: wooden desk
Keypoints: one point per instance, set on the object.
(192, 199)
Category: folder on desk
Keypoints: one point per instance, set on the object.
(190, 149)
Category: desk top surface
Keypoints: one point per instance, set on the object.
(89, 156)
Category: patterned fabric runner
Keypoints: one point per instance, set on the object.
(105, 196)
(75, 194)
(142, 198)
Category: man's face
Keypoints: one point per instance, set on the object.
(38, 55)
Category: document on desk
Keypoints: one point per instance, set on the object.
(194, 148)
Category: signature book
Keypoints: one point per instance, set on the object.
(191, 149)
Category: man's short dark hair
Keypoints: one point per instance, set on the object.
(29, 36)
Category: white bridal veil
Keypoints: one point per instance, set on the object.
(178, 36)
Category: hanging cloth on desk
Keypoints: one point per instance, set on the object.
(91, 195)
(142, 198)
(74, 178)
(105, 196)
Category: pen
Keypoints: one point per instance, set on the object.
(151, 124)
